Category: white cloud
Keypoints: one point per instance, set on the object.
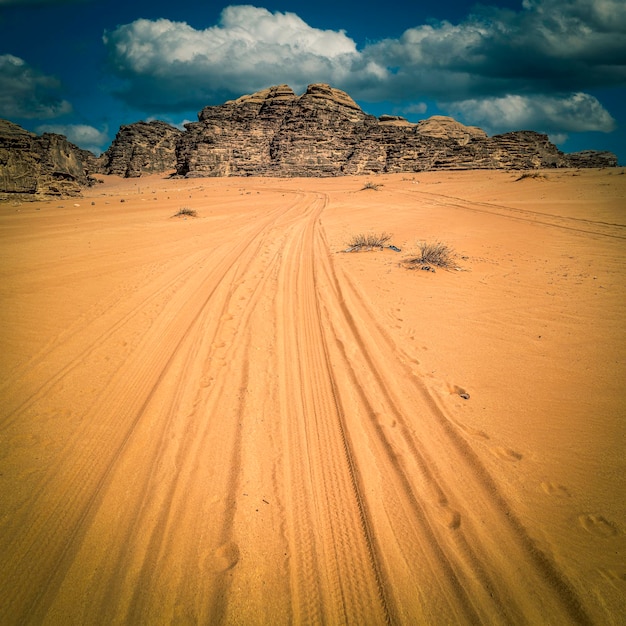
(509, 69)
(558, 138)
(549, 46)
(86, 137)
(416, 108)
(576, 112)
(27, 93)
(251, 48)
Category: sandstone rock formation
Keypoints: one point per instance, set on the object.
(274, 132)
(40, 165)
(325, 133)
(448, 128)
(592, 158)
(141, 148)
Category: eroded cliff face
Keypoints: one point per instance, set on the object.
(234, 139)
(275, 132)
(325, 133)
(141, 148)
(592, 158)
(39, 165)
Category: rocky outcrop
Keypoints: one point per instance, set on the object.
(325, 133)
(275, 132)
(591, 158)
(43, 165)
(318, 134)
(523, 149)
(445, 127)
(141, 148)
(234, 139)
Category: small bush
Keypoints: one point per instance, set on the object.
(530, 175)
(367, 242)
(186, 212)
(371, 185)
(438, 254)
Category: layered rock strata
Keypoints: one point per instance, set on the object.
(141, 148)
(325, 133)
(274, 132)
(40, 165)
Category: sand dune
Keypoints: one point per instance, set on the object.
(227, 419)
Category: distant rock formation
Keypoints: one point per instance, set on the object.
(592, 158)
(325, 133)
(141, 148)
(274, 132)
(448, 128)
(46, 165)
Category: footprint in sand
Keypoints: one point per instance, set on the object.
(597, 525)
(226, 557)
(448, 517)
(507, 454)
(554, 489)
(453, 519)
(473, 432)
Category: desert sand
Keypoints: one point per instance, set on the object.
(229, 419)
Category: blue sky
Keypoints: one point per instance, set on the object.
(85, 67)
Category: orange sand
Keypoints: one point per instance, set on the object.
(227, 419)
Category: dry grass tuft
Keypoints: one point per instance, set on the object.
(367, 242)
(371, 185)
(433, 253)
(525, 175)
(186, 212)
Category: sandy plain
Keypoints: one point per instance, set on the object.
(228, 419)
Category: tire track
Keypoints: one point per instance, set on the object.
(131, 391)
(75, 334)
(268, 377)
(598, 228)
(139, 302)
(334, 578)
(403, 423)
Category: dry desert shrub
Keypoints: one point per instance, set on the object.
(525, 175)
(186, 212)
(435, 253)
(371, 185)
(367, 241)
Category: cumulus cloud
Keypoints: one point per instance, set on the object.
(577, 112)
(173, 65)
(415, 108)
(558, 138)
(549, 46)
(27, 93)
(527, 67)
(82, 135)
